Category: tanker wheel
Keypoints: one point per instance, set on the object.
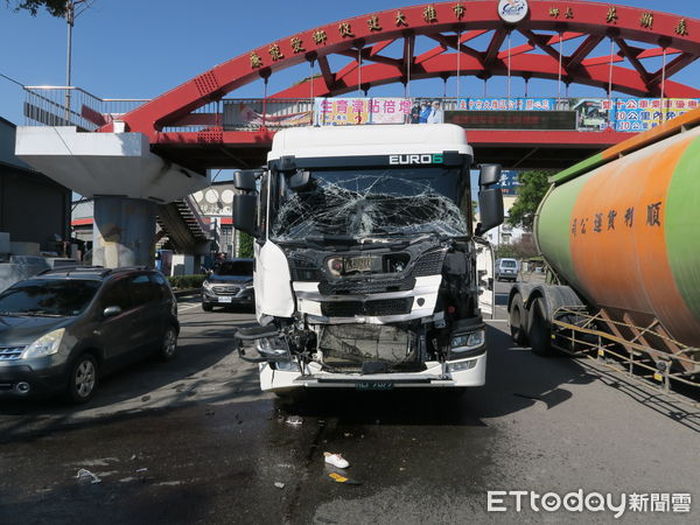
(517, 321)
(540, 331)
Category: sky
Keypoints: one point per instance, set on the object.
(142, 48)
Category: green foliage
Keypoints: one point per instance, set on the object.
(533, 187)
(183, 282)
(245, 248)
(54, 7)
(522, 249)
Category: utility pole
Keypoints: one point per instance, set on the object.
(71, 15)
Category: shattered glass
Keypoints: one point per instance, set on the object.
(371, 203)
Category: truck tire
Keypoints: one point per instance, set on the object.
(540, 331)
(518, 318)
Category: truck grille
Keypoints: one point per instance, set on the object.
(429, 264)
(382, 307)
(364, 287)
(225, 290)
(10, 353)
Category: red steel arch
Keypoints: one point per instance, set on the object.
(676, 36)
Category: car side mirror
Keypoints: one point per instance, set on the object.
(490, 210)
(244, 213)
(111, 311)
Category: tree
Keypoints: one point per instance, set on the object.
(245, 246)
(54, 7)
(533, 187)
(524, 248)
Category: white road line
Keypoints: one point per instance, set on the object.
(183, 308)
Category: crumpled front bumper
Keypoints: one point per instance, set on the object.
(461, 373)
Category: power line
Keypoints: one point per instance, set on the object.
(14, 81)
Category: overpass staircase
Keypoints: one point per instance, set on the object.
(181, 221)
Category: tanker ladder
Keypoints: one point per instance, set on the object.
(576, 332)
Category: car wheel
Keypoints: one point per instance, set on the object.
(169, 344)
(206, 307)
(83, 378)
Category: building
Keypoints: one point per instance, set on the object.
(33, 208)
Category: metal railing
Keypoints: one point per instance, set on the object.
(72, 106)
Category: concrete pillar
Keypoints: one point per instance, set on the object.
(124, 232)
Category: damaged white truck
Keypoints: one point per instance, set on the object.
(368, 273)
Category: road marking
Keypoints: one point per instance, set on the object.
(183, 308)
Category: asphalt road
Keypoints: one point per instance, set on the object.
(194, 441)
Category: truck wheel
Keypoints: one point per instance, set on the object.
(518, 317)
(540, 331)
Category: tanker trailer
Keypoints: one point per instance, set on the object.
(620, 233)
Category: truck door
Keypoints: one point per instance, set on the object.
(485, 280)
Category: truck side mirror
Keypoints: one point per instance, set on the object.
(489, 174)
(490, 209)
(244, 212)
(244, 180)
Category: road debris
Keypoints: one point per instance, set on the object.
(144, 469)
(279, 484)
(335, 459)
(342, 479)
(294, 420)
(85, 476)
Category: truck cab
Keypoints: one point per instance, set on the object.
(368, 273)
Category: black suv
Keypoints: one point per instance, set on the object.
(64, 328)
(230, 283)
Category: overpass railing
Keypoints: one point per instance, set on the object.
(72, 106)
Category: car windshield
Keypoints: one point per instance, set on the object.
(48, 297)
(372, 202)
(235, 268)
(508, 263)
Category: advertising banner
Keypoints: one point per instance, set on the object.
(256, 113)
(641, 114)
(505, 104)
(354, 111)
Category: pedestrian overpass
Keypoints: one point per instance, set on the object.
(621, 50)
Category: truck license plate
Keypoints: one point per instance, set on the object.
(225, 299)
(358, 264)
(374, 385)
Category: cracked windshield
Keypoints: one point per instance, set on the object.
(372, 202)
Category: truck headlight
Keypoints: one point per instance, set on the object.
(470, 341)
(46, 345)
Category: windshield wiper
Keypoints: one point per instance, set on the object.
(38, 313)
